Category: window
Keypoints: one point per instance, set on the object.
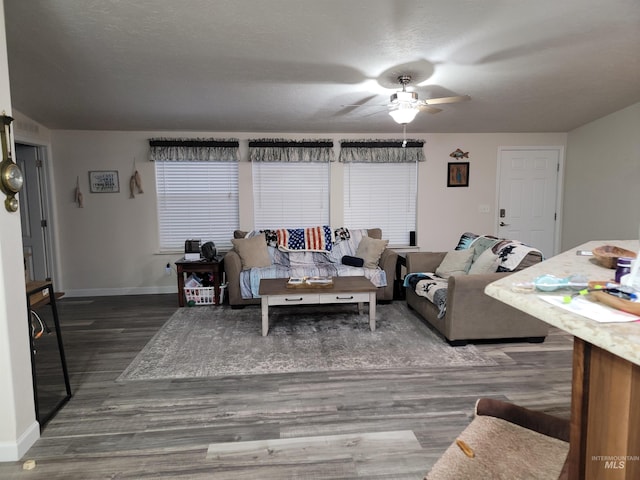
(381, 195)
(197, 200)
(290, 194)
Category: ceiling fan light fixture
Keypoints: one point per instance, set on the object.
(403, 106)
(399, 98)
(404, 113)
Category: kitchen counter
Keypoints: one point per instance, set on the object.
(622, 339)
(605, 394)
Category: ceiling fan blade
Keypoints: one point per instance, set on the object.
(355, 105)
(438, 101)
(442, 100)
(429, 109)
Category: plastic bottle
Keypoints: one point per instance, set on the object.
(624, 268)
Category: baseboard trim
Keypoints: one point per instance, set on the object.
(12, 452)
(106, 292)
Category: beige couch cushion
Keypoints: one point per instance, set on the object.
(252, 251)
(370, 250)
(456, 262)
(487, 262)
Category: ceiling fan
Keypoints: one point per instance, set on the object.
(404, 106)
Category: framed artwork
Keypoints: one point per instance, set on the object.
(458, 174)
(104, 181)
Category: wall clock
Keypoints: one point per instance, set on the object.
(11, 177)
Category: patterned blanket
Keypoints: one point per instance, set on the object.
(510, 252)
(310, 239)
(300, 263)
(250, 279)
(431, 287)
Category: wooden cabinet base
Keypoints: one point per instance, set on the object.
(605, 415)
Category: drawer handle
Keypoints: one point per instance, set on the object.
(338, 297)
(293, 299)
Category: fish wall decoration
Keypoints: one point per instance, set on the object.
(457, 153)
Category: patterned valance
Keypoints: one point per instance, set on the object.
(381, 151)
(194, 150)
(279, 150)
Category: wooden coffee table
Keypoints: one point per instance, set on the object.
(274, 291)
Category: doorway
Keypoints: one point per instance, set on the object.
(35, 212)
(528, 196)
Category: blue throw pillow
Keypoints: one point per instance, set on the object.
(466, 240)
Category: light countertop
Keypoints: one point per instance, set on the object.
(622, 339)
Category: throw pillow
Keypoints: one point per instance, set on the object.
(352, 261)
(487, 262)
(340, 234)
(456, 262)
(370, 250)
(466, 240)
(483, 243)
(252, 251)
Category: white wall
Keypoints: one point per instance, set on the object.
(602, 180)
(110, 246)
(445, 213)
(18, 427)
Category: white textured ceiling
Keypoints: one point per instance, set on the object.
(290, 65)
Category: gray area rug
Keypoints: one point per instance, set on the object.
(209, 341)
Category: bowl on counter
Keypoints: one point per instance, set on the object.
(607, 255)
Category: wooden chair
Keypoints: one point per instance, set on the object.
(505, 441)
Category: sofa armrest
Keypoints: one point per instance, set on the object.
(232, 269)
(472, 285)
(424, 261)
(388, 261)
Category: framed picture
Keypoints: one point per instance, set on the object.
(104, 181)
(458, 174)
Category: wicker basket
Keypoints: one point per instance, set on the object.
(200, 295)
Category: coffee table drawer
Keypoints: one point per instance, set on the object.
(294, 299)
(344, 297)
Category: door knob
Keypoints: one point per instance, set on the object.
(502, 224)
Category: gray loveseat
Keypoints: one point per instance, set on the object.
(233, 267)
(471, 314)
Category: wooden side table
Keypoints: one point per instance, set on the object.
(214, 267)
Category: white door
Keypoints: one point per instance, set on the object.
(527, 196)
(32, 214)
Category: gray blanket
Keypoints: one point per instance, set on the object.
(431, 287)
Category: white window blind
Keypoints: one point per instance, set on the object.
(381, 195)
(197, 200)
(290, 195)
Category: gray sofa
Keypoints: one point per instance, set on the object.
(233, 269)
(470, 313)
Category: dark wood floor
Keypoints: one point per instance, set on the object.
(358, 424)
